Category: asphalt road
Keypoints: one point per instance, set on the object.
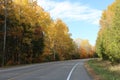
(63, 70)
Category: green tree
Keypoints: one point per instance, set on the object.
(107, 44)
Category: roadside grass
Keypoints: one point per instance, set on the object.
(105, 70)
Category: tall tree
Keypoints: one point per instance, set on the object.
(107, 45)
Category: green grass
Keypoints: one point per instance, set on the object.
(103, 69)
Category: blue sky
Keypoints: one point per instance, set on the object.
(81, 16)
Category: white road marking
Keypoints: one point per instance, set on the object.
(68, 78)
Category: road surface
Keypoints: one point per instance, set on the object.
(62, 70)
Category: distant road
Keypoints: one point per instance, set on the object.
(62, 70)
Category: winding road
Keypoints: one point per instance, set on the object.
(61, 70)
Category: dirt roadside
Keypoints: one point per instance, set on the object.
(91, 72)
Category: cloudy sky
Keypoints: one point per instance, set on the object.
(81, 16)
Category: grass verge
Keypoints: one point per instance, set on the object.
(104, 70)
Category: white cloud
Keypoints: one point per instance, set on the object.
(71, 11)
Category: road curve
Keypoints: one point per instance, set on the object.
(61, 70)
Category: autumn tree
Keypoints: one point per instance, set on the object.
(58, 44)
(22, 30)
(107, 45)
(84, 49)
(32, 35)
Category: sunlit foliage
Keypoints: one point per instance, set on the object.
(108, 41)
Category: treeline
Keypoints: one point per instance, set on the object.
(84, 49)
(108, 41)
(24, 39)
(32, 35)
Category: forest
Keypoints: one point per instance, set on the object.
(28, 35)
(108, 41)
